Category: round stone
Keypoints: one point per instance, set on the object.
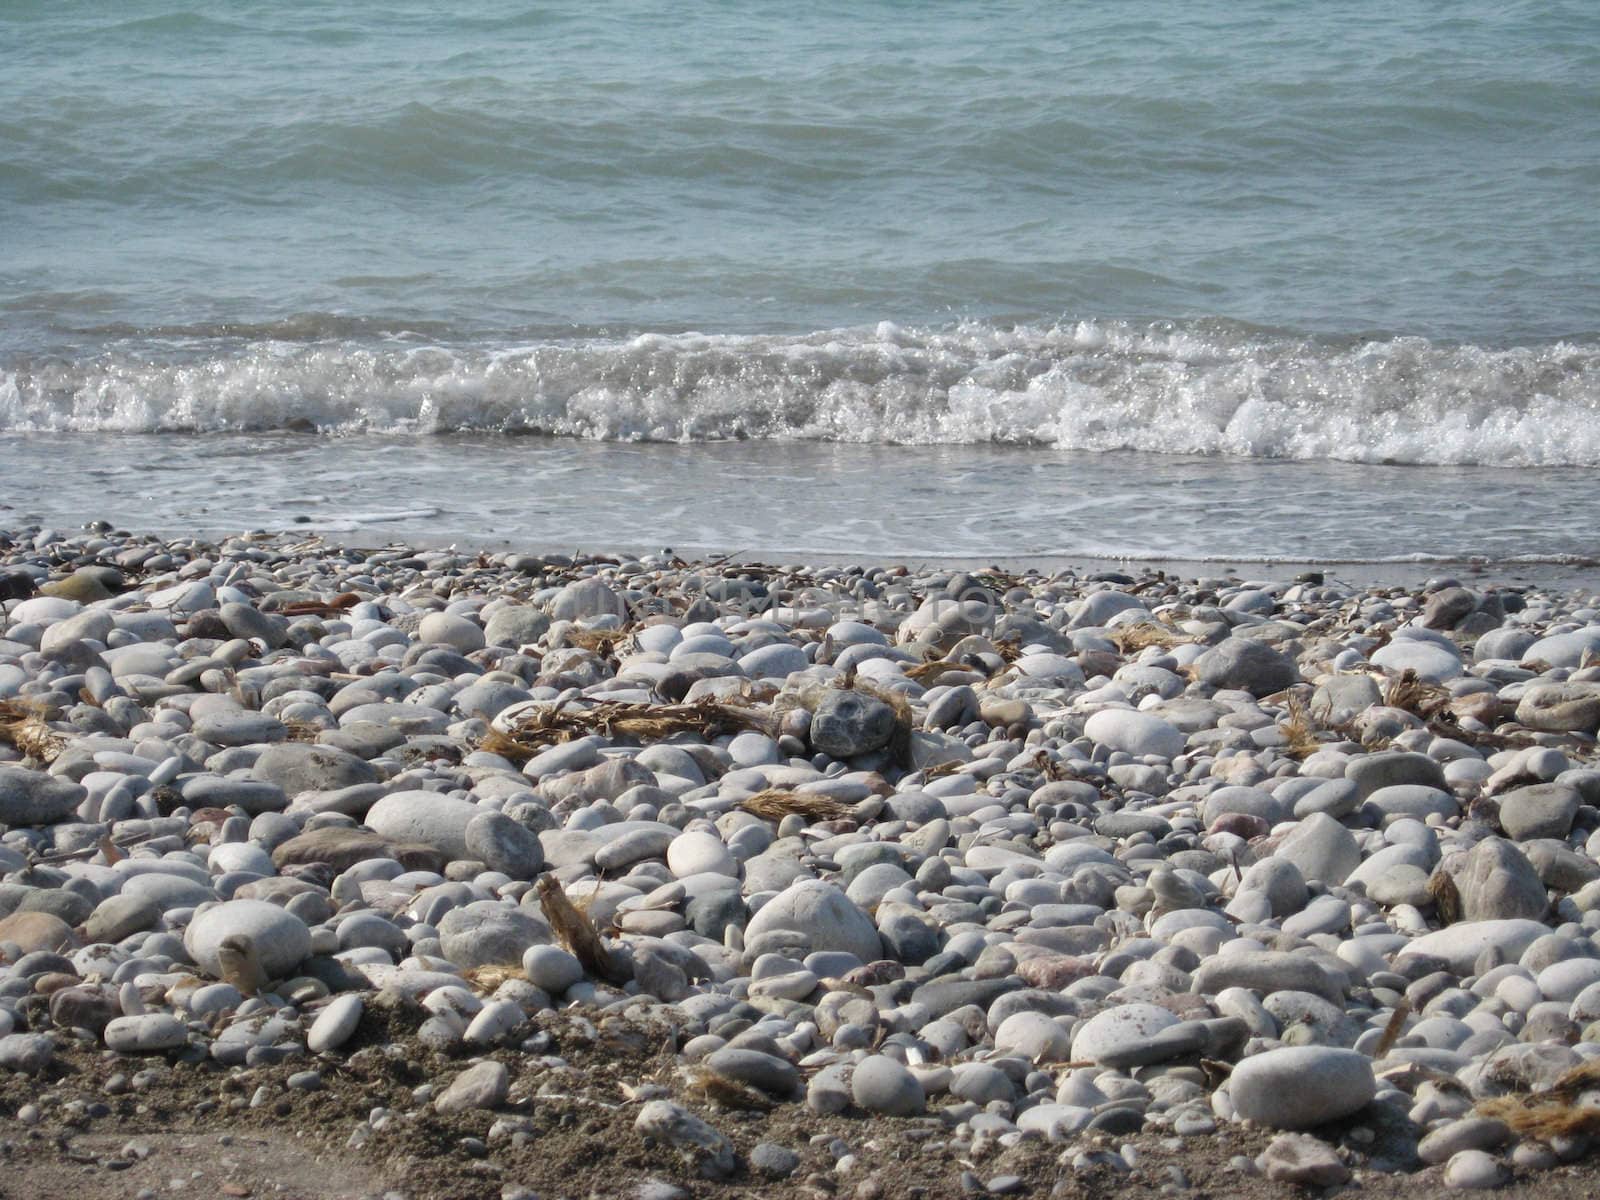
(31, 931)
(1034, 1036)
(482, 1085)
(1475, 1170)
(489, 933)
(847, 723)
(460, 634)
(1247, 665)
(503, 845)
(1431, 661)
(1118, 1028)
(881, 1084)
(280, 938)
(698, 853)
(34, 798)
(551, 968)
(765, 1072)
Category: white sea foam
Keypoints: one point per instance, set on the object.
(1101, 386)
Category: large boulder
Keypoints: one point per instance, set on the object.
(1544, 810)
(1246, 665)
(818, 916)
(1495, 882)
(1561, 707)
(280, 938)
(1300, 1087)
(847, 723)
(426, 817)
(34, 798)
(298, 767)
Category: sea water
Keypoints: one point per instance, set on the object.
(992, 279)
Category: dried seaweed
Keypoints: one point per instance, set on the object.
(1132, 638)
(1299, 729)
(22, 725)
(774, 804)
(1446, 897)
(714, 1088)
(303, 731)
(551, 724)
(577, 933)
(486, 979)
(1414, 695)
(603, 642)
(1569, 1106)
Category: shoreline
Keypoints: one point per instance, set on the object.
(827, 502)
(1579, 572)
(1559, 572)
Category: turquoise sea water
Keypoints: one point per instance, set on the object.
(1352, 232)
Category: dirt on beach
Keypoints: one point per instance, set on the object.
(104, 1126)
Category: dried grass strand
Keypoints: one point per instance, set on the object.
(774, 804)
(1299, 729)
(552, 724)
(1417, 696)
(1569, 1106)
(577, 932)
(486, 979)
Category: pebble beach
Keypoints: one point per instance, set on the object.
(811, 602)
(548, 875)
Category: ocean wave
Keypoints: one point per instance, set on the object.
(1202, 388)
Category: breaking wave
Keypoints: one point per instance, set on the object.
(1205, 388)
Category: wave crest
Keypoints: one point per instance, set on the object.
(1203, 388)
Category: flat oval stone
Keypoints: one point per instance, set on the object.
(150, 1033)
(1299, 1087)
(335, 1024)
(765, 1072)
(1135, 733)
